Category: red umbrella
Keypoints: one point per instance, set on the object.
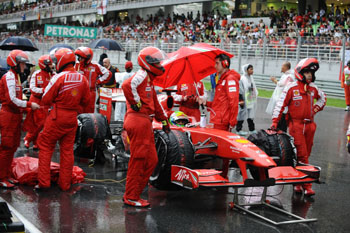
(189, 64)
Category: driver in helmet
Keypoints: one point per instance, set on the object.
(35, 119)
(67, 92)
(11, 114)
(179, 119)
(300, 97)
(94, 72)
(142, 107)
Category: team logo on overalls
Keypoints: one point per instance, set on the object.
(296, 92)
(74, 92)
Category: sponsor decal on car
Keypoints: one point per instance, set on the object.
(236, 149)
(243, 141)
(233, 136)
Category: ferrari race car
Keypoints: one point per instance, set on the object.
(188, 155)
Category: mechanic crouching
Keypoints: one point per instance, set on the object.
(299, 97)
(11, 114)
(142, 107)
(67, 92)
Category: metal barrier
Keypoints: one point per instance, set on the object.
(331, 88)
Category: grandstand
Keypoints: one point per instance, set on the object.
(278, 33)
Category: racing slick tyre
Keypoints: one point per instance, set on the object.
(172, 149)
(278, 145)
(92, 130)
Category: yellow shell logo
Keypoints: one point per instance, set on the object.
(243, 141)
(74, 92)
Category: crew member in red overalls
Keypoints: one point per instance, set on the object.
(187, 96)
(299, 97)
(345, 83)
(94, 72)
(142, 107)
(225, 104)
(11, 114)
(38, 82)
(67, 91)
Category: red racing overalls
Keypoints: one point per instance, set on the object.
(190, 107)
(301, 112)
(143, 155)
(10, 119)
(38, 82)
(67, 91)
(95, 74)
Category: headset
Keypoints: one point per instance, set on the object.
(224, 63)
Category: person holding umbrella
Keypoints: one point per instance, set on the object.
(11, 114)
(142, 107)
(95, 73)
(225, 104)
(187, 96)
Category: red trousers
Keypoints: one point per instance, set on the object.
(10, 130)
(225, 162)
(193, 112)
(90, 108)
(303, 134)
(58, 127)
(36, 124)
(143, 154)
(347, 94)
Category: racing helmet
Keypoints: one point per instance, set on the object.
(86, 53)
(15, 57)
(62, 58)
(45, 62)
(305, 65)
(179, 119)
(149, 59)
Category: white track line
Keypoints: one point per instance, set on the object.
(28, 225)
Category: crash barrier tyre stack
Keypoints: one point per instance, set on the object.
(278, 145)
(173, 148)
(331, 88)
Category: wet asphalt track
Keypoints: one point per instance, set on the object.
(98, 207)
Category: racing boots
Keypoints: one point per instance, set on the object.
(309, 192)
(298, 189)
(138, 203)
(26, 144)
(242, 133)
(6, 184)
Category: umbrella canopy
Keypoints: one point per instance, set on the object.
(18, 42)
(59, 46)
(189, 64)
(106, 44)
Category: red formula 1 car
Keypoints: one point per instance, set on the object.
(188, 156)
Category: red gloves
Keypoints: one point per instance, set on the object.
(166, 126)
(273, 126)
